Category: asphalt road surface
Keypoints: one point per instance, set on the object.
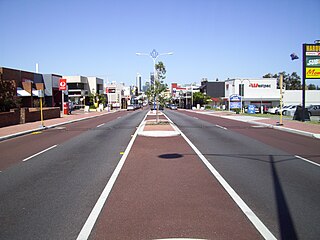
(51, 180)
(262, 166)
(50, 195)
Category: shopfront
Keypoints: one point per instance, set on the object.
(257, 91)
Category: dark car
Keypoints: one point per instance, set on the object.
(314, 110)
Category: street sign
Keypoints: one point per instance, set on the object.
(252, 109)
(62, 84)
(235, 101)
(311, 61)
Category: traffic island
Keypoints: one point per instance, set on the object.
(161, 128)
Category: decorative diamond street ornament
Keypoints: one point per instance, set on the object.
(154, 54)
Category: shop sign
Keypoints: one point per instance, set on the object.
(312, 72)
(235, 105)
(313, 48)
(312, 53)
(235, 98)
(257, 85)
(313, 62)
(110, 90)
(62, 84)
(235, 101)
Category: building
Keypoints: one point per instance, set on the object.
(255, 91)
(116, 95)
(26, 85)
(264, 92)
(213, 89)
(53, 94)
(139, 83)
(182, 94)
(80, 88)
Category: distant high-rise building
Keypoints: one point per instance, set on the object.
(151, 78)
(138, 82)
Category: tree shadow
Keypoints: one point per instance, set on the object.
(171, 156)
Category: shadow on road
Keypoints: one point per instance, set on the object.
(286, 226)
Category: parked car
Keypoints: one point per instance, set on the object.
(130, 107)
(281, 110)
(273, 110)
(314, 110)
(289, 111)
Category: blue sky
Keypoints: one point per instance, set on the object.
(209, 38)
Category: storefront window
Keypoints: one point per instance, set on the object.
(241, 89)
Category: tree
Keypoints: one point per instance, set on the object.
(158, 86)
(161, 71)
(8, 98)
(291, 82)
(312, 87)
(200, 98)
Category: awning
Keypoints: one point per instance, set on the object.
(37, 93)
(22, 93)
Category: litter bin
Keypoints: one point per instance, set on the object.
(298, 114)
(66, 108)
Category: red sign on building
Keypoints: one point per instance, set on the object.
(62, 84)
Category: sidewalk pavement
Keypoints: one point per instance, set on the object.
(293, 126)
(22, 129)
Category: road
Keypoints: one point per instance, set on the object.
(51, 195)
(51, 180)
(262, 167)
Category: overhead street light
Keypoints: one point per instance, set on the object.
(154, 55)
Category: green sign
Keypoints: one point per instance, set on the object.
(313, 61)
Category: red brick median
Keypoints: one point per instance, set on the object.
(165, 191)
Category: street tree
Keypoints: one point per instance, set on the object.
(158, 86)
(291, 82)
(8, 98)
(312, 87)
(200, 98)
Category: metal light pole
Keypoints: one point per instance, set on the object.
(154, 55)
(242, 91)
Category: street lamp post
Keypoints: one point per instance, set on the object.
(242, 92)
(154, 55)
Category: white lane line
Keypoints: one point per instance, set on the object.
(28, 158)
(195, 118)
(89, 224)
(221, 127)
(100, 125)
(307, 160)
(264, 231)
(119, 117)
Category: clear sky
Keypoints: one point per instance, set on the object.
(210, 38)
